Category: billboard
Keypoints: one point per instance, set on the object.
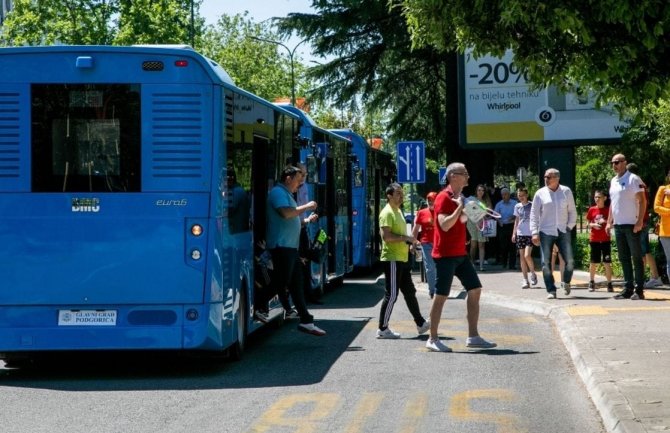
(498, 108)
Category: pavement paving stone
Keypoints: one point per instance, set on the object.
(620, 348)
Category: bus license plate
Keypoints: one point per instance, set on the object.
(86, 317)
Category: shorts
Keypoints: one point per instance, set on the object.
(523, 242)
(461, 267)
(644, 242)
(475, 233)
(601, 252)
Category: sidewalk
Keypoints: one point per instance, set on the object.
(620, 348)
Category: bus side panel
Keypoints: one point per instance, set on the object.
(14, 130)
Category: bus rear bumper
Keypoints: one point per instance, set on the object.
(28, 329)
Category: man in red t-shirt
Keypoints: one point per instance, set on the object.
(451, 259)
(599, 240)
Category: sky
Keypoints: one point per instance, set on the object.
(259, 10)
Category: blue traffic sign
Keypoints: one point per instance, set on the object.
(442, 175)
(411, 161)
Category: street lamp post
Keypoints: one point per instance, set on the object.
(291, 52)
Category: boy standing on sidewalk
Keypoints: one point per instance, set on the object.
(599, 240)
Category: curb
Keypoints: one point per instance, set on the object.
(615, 410)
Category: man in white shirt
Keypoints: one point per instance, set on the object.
(627, 207)
(552, 218)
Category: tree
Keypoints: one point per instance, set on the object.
(155, 22)
(47, 22)
(99, 22)
(616, 47)
(230, 43)
(375, 66)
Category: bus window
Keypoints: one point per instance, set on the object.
(86, 137)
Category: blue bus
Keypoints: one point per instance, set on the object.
(374, 170)
(329, 157)
(133, 183)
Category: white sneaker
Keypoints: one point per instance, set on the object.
(479, 343)
(566, 288)
(533, 279)
(525, 284)
(310, 328)
(652, 283)
(551, 295)
(423, 328)
(437, 346)
(387, 334)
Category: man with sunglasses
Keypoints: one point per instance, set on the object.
(553, 215)
(452, 260)
(627, 208)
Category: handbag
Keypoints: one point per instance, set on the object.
(317, 250)
(489, 228)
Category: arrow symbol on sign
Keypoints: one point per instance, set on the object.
(405, 160)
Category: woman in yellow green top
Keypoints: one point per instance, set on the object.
(394, 258)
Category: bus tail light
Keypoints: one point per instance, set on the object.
(181, 63)
(196, 254)
(196, 230)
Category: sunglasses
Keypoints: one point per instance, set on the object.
(616, 161)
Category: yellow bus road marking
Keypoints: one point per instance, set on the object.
(415, 409)
(460, 409)
(407, 329)
(303, 412)
(311, 412)
(656, 295)
(365, 409)
(595, 310)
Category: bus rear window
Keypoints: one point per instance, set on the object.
(86, 138)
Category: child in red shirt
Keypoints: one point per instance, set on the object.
(599, 240)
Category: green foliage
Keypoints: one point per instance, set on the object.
(616, 47)
(154, 22)
(374, 65)
(99, 22)
(230, 42)
(47, 22)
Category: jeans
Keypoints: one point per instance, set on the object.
(429, 266)
(628, 245)
(564, 243)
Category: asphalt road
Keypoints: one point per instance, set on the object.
(347, 382)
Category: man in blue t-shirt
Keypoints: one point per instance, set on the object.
(283, 240)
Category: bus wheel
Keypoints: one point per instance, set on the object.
(237, 349)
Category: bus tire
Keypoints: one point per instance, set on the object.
(236, 351)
